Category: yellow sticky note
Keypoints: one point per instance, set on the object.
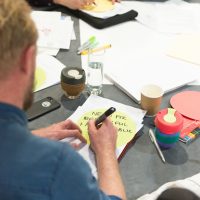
(125, 125)
(40, 77)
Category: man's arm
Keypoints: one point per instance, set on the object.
(103, 142)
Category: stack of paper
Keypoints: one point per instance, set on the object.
(55, 31)
(170, 17)
(127, 119)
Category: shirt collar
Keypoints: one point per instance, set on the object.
(8, 111)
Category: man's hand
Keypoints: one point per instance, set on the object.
(60, 131)
(113, 1)
(104, 138)
(103, 143)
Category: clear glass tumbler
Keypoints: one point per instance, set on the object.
(95, 72)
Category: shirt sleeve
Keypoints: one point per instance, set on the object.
(73, 179)
(40, 2)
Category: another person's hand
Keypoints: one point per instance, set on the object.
(103, 139)
(74, 4)
(77, 4)
(113, 1)
(60, 131)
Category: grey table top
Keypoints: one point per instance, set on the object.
(141, 168)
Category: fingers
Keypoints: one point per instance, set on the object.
(90, 2)
(77, 4)
(69, 124)
(91, 126)
(61, 130)
(102, 139)
(87, 2)
(107, 123)
(74, 145)
(77, 146)
(76, 134)
(61, 134)
(114, 1)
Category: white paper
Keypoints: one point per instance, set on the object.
(48, 51)
(186, 47)
(52, 68)
(54, 31)
(95, 102)
(73, 35)
(168, 73)
(168, 17)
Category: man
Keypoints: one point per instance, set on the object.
(32, 167)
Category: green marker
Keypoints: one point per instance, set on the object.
(86, 44)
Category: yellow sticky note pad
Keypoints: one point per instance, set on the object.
(40, 77)
(125, 125)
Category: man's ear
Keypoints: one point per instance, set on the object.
(27, 62)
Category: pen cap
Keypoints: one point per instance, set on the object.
(169, 121)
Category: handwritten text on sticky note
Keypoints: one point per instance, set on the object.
(125, 125)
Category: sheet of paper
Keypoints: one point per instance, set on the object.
(37, 15)
(168, 17)
(48, 70)
(68, 18)
(96, 102)
(54, 31)
(48, 51)
(186, 47)
(168, 73)
(73, 35)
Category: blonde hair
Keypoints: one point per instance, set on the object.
(17, 32)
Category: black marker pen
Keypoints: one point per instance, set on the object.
(101, 118)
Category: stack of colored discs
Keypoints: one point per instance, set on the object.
(168, 123)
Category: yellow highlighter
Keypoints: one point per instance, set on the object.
(86, 52)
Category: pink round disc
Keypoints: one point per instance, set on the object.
(187, 103)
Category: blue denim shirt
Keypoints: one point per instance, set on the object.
(33, 168)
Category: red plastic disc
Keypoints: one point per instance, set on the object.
(187, 103)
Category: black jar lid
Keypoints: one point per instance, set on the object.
(73, 75)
